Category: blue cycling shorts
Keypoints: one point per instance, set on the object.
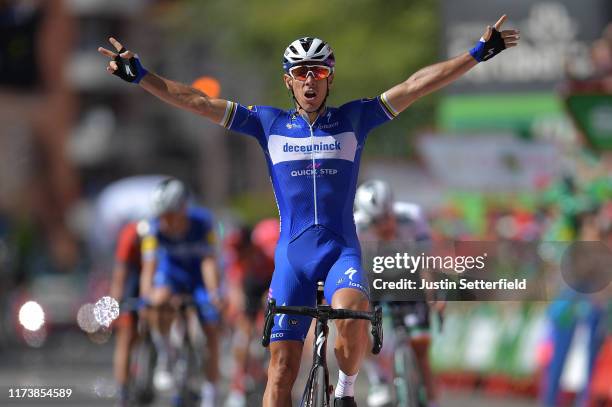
(131, 289)
(181, 281)
(318, 254)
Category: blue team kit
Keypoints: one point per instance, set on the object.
(314, 170)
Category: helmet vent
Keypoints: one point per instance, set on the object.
(320, 47)
(306, 43)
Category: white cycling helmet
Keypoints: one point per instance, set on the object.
(308, 49)
(169, 196)
(374, 199)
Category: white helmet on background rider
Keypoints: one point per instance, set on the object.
(308, 49)
(374, 199)
(169, 196)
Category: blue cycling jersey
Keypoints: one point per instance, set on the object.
(179, 259)
(313, 167)
(185, 253)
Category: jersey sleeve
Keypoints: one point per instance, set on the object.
(149, 247)
(208, 237)
(209, 241)
(366, 114)
(128, 242)
(243, 119)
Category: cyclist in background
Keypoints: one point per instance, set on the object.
(179, 258)
(379, 218)
(125, 286)
(313, 154)
(249, 270)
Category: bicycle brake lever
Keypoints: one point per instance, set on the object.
(377, 333)
(269, 322)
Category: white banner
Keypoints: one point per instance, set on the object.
(339, 146)
(490, 162)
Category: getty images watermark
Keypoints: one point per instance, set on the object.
(489, 271)
(447, 264)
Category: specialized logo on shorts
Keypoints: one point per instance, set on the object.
(341, 146)
(350, 273)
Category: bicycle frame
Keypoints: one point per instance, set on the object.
(142, 358)
(188, 361)
(319, 351)
(323, 313)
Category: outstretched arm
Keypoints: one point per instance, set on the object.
(125, 64)
(434, 77)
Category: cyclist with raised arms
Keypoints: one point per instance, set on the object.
(178, 258)
(313, 153)
(380, 218)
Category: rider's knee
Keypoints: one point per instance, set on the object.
(160, 298)
(283, 367)
(349, 298)
(351, 329)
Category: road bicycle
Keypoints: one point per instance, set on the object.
(143, 358)
(187, 342)
(408, 385)
(317, 391)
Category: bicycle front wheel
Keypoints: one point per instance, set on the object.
(407, 380)
(144, 358)
(316, 394)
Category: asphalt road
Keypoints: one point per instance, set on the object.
(70, 360)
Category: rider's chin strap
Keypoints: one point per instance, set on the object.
(322, 103)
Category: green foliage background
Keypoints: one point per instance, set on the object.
(377, 45)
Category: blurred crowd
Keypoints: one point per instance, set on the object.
(597, 75)
(566, 210)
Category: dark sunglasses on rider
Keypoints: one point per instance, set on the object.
(301, 72)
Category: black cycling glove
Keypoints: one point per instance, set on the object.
(485, 50)
(129, 69)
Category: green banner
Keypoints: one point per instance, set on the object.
(592, 113)
(514, 112)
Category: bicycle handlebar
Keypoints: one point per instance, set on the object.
(325, 312)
